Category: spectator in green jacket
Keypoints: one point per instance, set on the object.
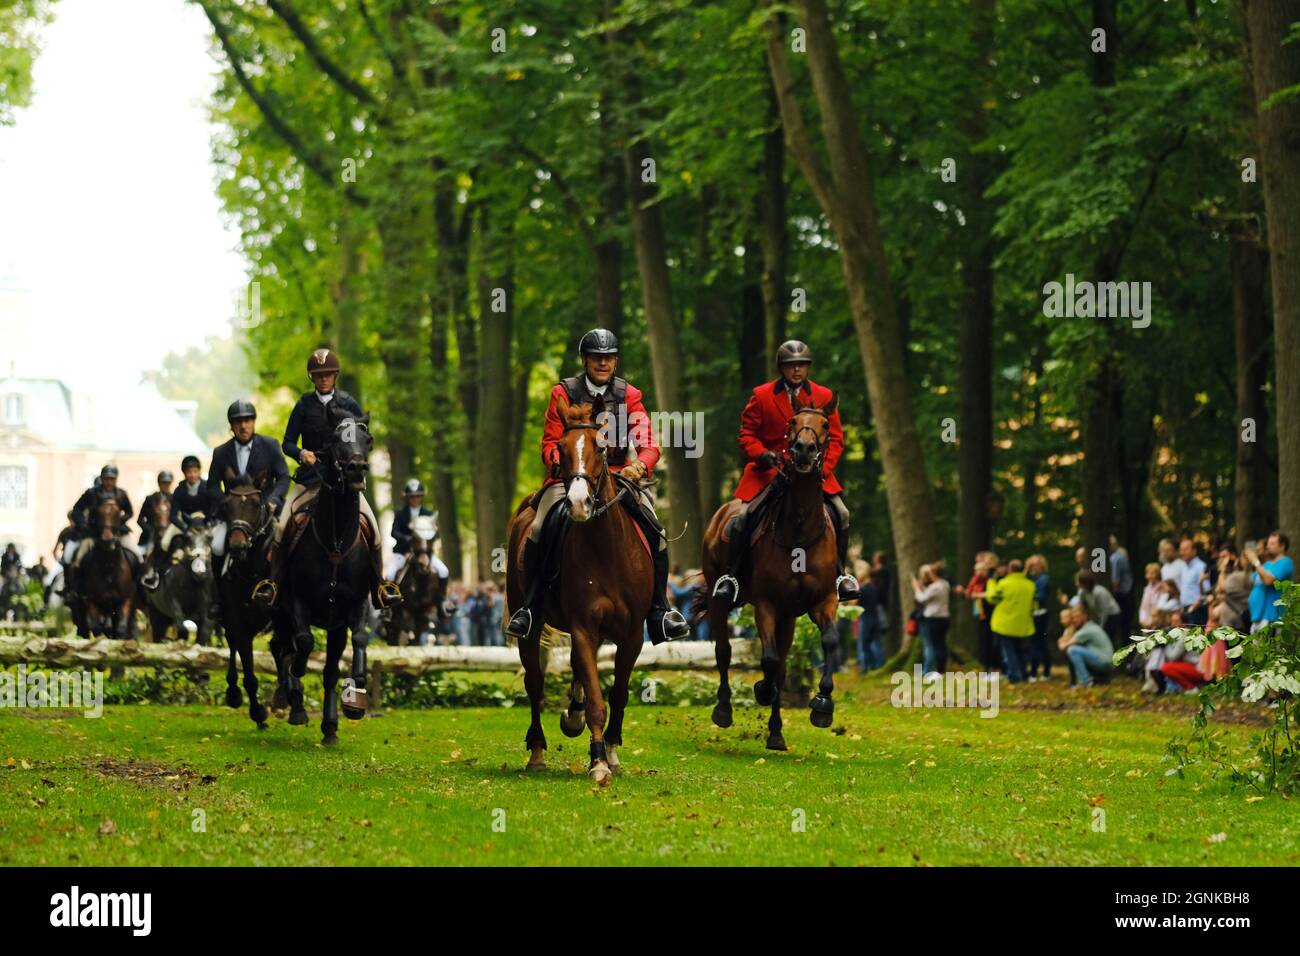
(1012, 597)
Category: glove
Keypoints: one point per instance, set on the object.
(635, 471)
(769, 459)
(555, 462)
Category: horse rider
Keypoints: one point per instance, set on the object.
(404, 527)
(105, 487)
(309, 422)
(599, 352)
(763, 428)
(245, 453)
(145, 521)
(167, 539)
(10, 558)
(193, 502)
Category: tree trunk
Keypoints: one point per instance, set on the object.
(665, 351)
(848, 199)
(443, 444)
(1276, 66)
(975, 423)
(774, 231)
(609, 248)
(1253, 512)
(493, 469)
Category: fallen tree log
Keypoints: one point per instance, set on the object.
(71, 652)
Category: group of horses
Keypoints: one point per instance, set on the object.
(605, 582)
(602, 592)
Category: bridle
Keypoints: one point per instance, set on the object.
(601, 507)
(792, 433)
(264, 518)
(336, 463)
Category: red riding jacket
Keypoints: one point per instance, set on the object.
(639, 432)
(763, 427)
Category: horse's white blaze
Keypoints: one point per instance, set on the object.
(582, 443)
(578, 499)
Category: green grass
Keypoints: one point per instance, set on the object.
(896, 786)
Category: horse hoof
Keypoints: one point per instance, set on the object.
(722, 715)
(611, 757)
(537, 760)
(572, 724)
(600, 774)
(821, 711)
(298, 718)
(352, 712)
(259, 715)
(763, 695)
(280, 699)
(776, 742)
(330, 739)
(261, 725)
(234, 699)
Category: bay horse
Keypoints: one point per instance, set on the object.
(250, 522)
(185, 588)
(329, 577)
(422, 590)
(792, 572)
(606, 580)
(107, 578)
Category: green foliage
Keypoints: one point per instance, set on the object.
(1266, 668)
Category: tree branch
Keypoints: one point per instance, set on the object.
(312, 160)
(331, 69)
(567, 195)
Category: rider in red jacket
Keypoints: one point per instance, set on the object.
(763, 427)
(599, 351)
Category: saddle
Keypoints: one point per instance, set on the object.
(629, 501)
(765, 519)
(299, 519)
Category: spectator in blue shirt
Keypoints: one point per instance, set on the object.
(1121, 584)
(1279, 567)
(1193, 584)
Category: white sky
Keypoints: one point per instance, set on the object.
(108, 214)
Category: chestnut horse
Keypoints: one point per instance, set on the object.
(605, 583)
(107, 576)
(792, 572)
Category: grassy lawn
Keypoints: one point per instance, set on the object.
(887, 785)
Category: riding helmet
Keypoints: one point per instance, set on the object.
(793, 351)
(108, 471)
(241, 408)
(190, 462)
(413, 487)
(322, 360)
(165, 475)
(598, 342)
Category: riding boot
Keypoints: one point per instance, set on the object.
(527, 614)
(386, 593)
(728, 586)
(846, 585)
(267, 591)
(664, 623)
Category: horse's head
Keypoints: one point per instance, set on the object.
(348, 452)
(198, 550)
(421, 548)
(162, 514)
(105, 520)
(808, 434)
(582, 455)
(246, 509)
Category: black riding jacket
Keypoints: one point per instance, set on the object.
(89, 500)
(310, 423)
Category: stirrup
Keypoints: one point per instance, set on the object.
(849, 579)
(265, 593)
(522, 629)
(149, 580)
(673, 626)
(388, 594)
(726, 579)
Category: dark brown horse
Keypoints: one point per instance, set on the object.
(605, 583)
(423, 593)
(793, 569)
(249, 523)
(107, 574)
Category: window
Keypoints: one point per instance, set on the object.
(13, 409)
(13, 486)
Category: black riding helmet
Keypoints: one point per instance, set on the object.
(108, 471)
(240, 408)
(598, 342)
(165, 475)
(792, 351)
(413, 487)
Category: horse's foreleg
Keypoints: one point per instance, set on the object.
(299, 649)
(584, 655)
(722, 653)
(335, 642)
(629, 648)
(822, 709)
(256, 712)
(354, 699)
(234, 699)
(530, 655)
(776, 644)
(573, 718)
(122, 625)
